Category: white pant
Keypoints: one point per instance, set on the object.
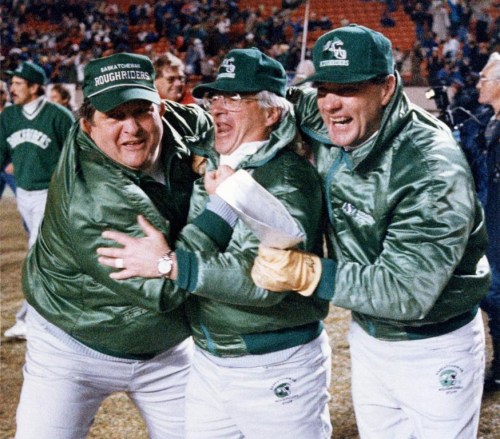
(31, 206)
(65, 383)
(418, 389)
(286, 399)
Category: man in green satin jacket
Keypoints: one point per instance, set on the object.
(88, 335)
(406, 243)
(262, 361)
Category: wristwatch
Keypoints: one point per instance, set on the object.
(165, 264)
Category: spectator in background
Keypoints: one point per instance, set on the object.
(451, 46)
(416, 59)
(489, 94)
(61, 95)
(304, 69)
(482, 26)
(422, 20)
(194, 55)
(479, 58)
(4, 95)
(32, 133)
(454, 14)
(434, 65)
(223, 26)
(7, 173)
(440, 19)
(325, 23)
(386, 20)
(171, 79)
(398, 56)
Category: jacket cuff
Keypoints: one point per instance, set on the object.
(326, 287)
(187, 270)
(215, 227)
(218, 206)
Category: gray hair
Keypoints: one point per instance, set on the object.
(269, 99)
(493, 64)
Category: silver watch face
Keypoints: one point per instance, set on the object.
(165, 266)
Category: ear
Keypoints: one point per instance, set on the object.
(34, 87)
(272, 116)
(86, 126)
(162, 107)
(388, 89)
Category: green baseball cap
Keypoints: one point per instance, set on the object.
(246, 71)
(116, 79)
(351, 54)
(29, 71)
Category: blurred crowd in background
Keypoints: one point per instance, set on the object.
(453, 40)
(453, 37)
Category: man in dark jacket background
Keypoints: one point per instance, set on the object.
(489, 94)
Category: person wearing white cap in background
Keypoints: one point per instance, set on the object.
(32, 134)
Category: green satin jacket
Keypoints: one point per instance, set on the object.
(407, 233)
(89, 193)
(229, 315)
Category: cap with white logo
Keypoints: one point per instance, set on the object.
(116, 79)
(246, 71)
(351, 54)
(29, 71)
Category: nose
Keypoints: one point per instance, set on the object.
(131, 125)
(218, 107)
(331, 102)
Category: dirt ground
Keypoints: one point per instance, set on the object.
(117, 418)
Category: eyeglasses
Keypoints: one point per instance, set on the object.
(172, 79)
(228, 102)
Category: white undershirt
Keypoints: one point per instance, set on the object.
(31, 109)
(244, 150)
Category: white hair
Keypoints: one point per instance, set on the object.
(493, 64)
(268, 99)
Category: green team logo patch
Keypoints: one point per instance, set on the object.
(450, 378)
(285, 391)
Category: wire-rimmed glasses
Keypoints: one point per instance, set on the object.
(230, 102)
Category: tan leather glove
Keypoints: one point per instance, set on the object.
(198, 164)
(286, 270)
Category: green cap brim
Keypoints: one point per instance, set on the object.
(110, 99)
(336, 78)
(23, 76)
(225, 87)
